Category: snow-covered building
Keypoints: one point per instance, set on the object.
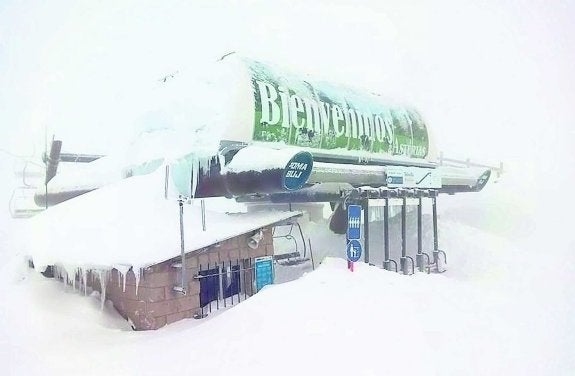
(219, 275)
(135, 260)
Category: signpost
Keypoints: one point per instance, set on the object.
(264, 272)
(353, 249)
(353, 222)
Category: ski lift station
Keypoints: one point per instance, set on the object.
(191, 223)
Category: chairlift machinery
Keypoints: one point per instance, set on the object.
(290, 139)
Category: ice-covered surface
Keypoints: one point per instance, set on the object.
(131, 223)
(150, 148)
(259, 158)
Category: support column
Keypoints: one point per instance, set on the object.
(365, 204)
(436, 250)
(404, 256)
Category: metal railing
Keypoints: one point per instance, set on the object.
(225, 284)
(443, 161)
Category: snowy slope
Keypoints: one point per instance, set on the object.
(500, 321)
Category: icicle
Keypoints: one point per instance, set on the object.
(74, 279)
(122, 270)
(195, 175)
(103, 275)
(137, 275)
(199, 164)
(85, 281)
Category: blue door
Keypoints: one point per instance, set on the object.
(231, 281)
(209, 286)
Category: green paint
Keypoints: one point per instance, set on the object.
(319, 115)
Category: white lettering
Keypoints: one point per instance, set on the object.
(312, 112)
(350, 123)
(379, 128)
(284, 97)
(270, 109)
(296, 105)
(337, 116)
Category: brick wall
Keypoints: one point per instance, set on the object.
(156, 303)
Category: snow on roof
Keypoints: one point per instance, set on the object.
(130, 223)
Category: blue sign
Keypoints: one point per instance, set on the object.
(353, 250)
(297, 171)
(264, 271)
(353, 222)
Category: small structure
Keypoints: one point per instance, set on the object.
(220, 275)
(130, 250)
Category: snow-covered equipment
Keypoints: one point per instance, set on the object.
(254, 240)
(264, 117)
(294, 257)
(260, 134)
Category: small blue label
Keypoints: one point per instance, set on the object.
(353, 250)
(264, 272)
(394, 179)
(353, 222)
(298, 170)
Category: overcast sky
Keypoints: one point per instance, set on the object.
(493, 81)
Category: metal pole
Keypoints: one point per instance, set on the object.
(436, 250)
(311, 254)
(420, 254)
(386, 235)
(403, 234)
(183, 288)
(166, 181)
(203, 205)
(419, 226)
(404, 256)
(419, 257)
(435, 241)
(366, 230)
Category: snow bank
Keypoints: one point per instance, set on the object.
(130, 223)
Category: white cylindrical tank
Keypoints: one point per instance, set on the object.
(252, 102)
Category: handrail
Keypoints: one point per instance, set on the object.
(468, 163)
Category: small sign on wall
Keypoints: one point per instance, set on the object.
(264, 271)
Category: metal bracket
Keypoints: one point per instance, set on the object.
(179, 289)
(403, 268)
(436, 261)
(419, 262)
(386, 264)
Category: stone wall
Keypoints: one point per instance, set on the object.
(155, 303)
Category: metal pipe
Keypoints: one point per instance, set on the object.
(203, 205)
(182, 247)
(435, 241)
(436, 250)
(311, 254)
(386, 235)
(366, 230)
(419, 226)
(403, 228)
(420, 254)
(404, 256)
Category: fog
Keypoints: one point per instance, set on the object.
(493, 81)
